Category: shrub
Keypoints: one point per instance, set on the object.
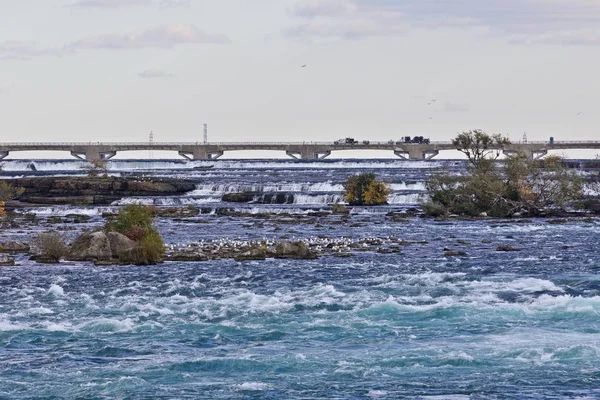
(49, 246)
(136, 222)
(365, 190)
(133, 221)
(149, 251)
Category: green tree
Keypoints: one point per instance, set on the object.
(365, 190)
(477, 145)
(519, 185)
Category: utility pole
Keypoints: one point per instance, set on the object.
(205, 133)
(151, 141)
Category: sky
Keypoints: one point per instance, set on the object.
(114, 70)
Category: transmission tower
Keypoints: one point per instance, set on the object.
(151, 141)
(524, 137)
(205, 133)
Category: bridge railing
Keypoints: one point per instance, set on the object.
(199, 143)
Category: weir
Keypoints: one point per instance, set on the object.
(93, 151)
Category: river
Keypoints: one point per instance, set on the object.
(411, 324)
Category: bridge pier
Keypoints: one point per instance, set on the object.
(308, 153)
(3, 154)
(93, 155)
(531, 154)
(200, 154)
(416, 153)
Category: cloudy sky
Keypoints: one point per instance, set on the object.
(81, 70)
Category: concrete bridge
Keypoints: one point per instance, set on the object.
(303, 151)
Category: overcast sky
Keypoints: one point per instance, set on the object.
(100, 70)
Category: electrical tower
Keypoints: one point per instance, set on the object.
(524, 137)
(151, 141)
(205, 133)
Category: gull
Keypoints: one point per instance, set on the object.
(303, 66)
(578, 114)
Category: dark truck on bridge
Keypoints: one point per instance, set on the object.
(416, 139)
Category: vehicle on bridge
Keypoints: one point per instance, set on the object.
(416, 140)
(347, 140)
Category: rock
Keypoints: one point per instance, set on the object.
(557, 221)
(6, 261)
(99, 190)
(90, 246)
(78, 218)
(188, 255)
(294, 250)
(339, 209)
(244, 197)
(483, 214)
(119, 243)
(507, 248)
(452, 253)
(253, 254)
(14, 247)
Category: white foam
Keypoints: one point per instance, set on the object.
(252, 386)
(56, 290)
(108, 325)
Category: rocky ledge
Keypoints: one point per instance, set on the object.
(95, 191)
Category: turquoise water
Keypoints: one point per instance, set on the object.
(415, 324)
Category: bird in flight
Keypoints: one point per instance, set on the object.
(303, 66)
(578, 114)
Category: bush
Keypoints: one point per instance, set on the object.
(365, 190)
(133, 221)
(150, 250)
(136, 222)
(49, 246)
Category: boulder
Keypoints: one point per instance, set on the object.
(253, 254)
(339, 209)
(6, 261)
(188, 255)
(294, 250)
(507, 248)
(90, 246)
(244, 197)
(119, 243)
(14, 247)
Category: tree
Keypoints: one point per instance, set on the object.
(96, 168)
(365, 190)
(477, 145)
(520, 185)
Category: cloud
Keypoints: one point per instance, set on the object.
(154, 74)
(344, 19)
(129, 3)
(111, 3)
(536, 21)
(16, 50)
(166, 36)
(175, 3)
